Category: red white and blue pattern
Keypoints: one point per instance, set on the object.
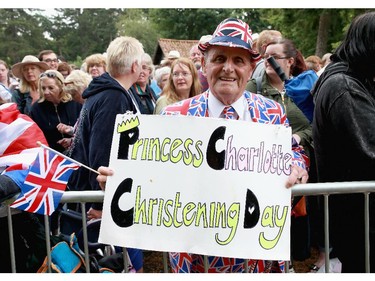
(192, 263)
(262, 110)
(45, 183)
(229, 113)
(18, 137)
(232, 32)
(234, 28)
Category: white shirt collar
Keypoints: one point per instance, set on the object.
(215, 107)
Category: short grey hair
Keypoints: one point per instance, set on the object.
(146, 58)
(160, 72)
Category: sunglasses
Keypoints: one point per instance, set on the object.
(50, 75)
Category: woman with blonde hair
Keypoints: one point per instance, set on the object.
(96, 64)
(54, 106)
(75, 84)
(183, 83)
(28, 72)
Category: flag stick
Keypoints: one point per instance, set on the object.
(66, 157)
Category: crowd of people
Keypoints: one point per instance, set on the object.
(328, 103)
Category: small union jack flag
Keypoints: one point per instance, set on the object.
(45, 183)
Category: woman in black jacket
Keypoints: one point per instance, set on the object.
(54, 107)
(344, 138)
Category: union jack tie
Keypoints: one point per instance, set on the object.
(229, 112)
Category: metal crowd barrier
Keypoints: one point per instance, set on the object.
(311, 189)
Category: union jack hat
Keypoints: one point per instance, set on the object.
(231, 33)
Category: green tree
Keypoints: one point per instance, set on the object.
(77, 33)
(188, 24)
(299, 25)
(314, 31)
(82, 32)
(20, 34)
(253, 18)
(136, 23)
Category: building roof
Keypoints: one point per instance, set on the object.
(167, 45)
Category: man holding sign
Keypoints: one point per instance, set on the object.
(227, 63)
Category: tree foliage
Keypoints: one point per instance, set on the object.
(82, 32)
(20, 34)
(136, 23)
(77, 33)
(187, 23)
(314, 31)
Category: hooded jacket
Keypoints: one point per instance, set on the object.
(105, 98)
(344, 125)
(344, 139)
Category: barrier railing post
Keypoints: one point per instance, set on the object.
(125, 257)
(326, 231)
(367, 232)
(205, 260)
(246, 265)
(165, 262)
(287, 265)
(48, 242)
(11, 241)
(85, 239)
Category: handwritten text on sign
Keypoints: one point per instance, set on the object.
(199, 185)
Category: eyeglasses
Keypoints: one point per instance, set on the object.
(276, 57)
(97, 65)
(50, 75)
(50, 60)
(177, 74)
(146, 67)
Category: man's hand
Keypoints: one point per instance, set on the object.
(297, 175)
(102, 178)
(94, 214)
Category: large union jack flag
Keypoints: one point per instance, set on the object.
(45, 183)
(18, 137)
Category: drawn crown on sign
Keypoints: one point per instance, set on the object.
(128, 124)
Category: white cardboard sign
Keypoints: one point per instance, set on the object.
(199, 185)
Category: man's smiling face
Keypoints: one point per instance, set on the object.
(227, 70)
